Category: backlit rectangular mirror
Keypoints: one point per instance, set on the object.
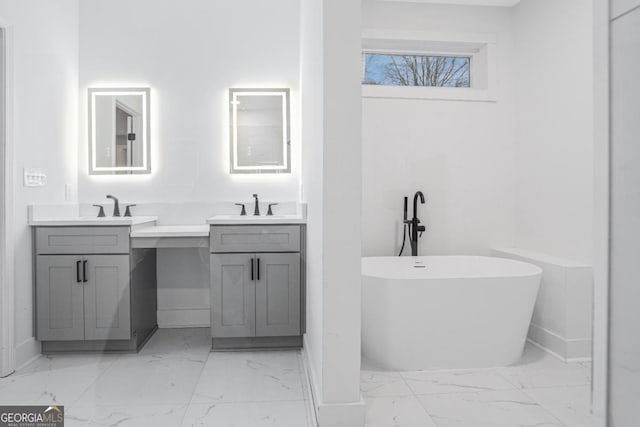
(119, 131)
(259, 131)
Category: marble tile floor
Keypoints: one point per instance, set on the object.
(539, 391)
(173, 381)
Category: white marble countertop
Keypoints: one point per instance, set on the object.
(251, 219)
(92, 221)
(199, 214)
(200, 230)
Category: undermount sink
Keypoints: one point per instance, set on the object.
(257, 219)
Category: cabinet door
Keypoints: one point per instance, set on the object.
(107, 307)
(232, 296)
(59, 298)
(277, 294)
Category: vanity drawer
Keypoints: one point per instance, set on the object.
(255, 238)
(82, 240)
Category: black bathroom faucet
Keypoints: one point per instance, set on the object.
(256, 209)
(116, 205)
(413, 224)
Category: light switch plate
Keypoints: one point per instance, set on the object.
(34, 177)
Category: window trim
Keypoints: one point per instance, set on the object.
(480, 47)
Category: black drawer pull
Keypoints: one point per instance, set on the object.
(251, 269)
(84, 271)
(78, 272)
(258, 269)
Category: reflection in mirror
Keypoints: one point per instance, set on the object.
(119, 131)
(259, 131)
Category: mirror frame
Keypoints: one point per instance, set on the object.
(233, 135)
(94, 169)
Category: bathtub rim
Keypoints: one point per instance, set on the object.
(534, 270)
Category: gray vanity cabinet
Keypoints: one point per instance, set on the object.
(257, 286)
(93, 293)
(264, 302)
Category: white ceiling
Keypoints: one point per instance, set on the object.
(507, 3)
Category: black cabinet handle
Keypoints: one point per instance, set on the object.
(258, 268)
(84, 271)
(78, 271)
(251, 269)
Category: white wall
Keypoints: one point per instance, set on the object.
(624, 297)
(460, 154)
(601, 214)
(190, 53)
(44, 88)
(341, 190)
(311, 89)
(554, 69)
(329, 75)
(517, 172)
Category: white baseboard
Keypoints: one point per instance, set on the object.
(565, 349)
(311, 379)
(26, 352)
(6, 362)
(307, 384)
(348, 414)
(342, 414)
(184, 318)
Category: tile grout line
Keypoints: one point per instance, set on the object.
(93, 382)
(248, 402)
(435, 423)
(416, 397)
(102, 368)
(512, 382)
(195, 386)
(499, 374)
(548, 411)
(138, 356)
(543, 407)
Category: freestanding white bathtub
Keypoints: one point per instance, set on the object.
(440, 312)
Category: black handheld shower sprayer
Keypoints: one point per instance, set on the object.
(406, 202)
(404, 225)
